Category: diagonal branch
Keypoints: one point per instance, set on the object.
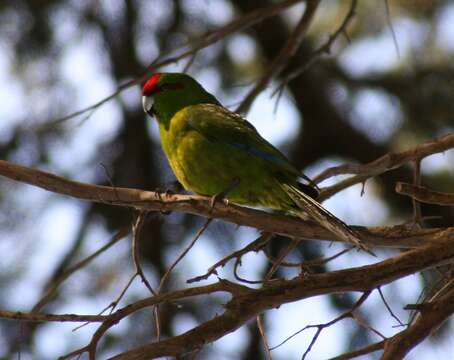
(430, 319)
(292, 45)
(425, 195)
(347, 314)
(51, 291)
(39, 317)
(391, 160)
(323, 49)
(385, 163)
(363, 351)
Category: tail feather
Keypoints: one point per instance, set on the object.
(324, 217)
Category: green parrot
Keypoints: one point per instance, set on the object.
(214, 151)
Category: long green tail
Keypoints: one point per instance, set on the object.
(323, 217)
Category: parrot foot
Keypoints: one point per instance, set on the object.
(173, 188)
(221, 196)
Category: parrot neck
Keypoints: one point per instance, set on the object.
(166, 105)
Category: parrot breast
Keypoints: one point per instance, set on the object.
(208, 167)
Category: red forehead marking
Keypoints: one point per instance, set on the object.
(150, 85)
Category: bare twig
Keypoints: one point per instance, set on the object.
(221, 286)
(50, 292)
(429, 320)
(320, 327)
(136, 230)
(253, 246)
(247, 303)
(112, 306)
(38, 317)
(425, 195)
(391, 27)
(293, 244)
(264, 338)
(365, 350)
(417, 216)
(170, 269)
(323, 261)
(288, 50)
(366, 326)
(381, 165)
(391, 160)
(306, 265)
(241, 279)
(389, 308)
(183, 254)
(323, 49)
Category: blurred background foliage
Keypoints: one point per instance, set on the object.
(372, 96)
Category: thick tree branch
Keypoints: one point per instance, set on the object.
(391, 160)
(250, 303)
(431, 317)
(198, 205)
(38, 317)
(425, 195)
(363, 351)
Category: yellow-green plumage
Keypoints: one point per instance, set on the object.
(207, 161)
(210, 147)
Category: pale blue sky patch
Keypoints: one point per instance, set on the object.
(436, 163)
(378, 54)
(445, 28)
(376, 114)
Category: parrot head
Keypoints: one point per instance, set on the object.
(164, 94)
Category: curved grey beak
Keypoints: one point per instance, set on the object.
(147, 104)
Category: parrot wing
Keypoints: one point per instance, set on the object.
(218, 124)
